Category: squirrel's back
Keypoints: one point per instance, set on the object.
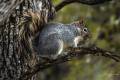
(61, 30)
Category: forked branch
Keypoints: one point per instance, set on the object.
(87, 2)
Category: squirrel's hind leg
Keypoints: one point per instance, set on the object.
(59, 49)
(52, 47)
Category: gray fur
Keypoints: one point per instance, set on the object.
(53, 36)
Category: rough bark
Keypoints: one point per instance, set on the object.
(6, 8)
(16, 56)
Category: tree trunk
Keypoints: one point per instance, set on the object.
(16, 58)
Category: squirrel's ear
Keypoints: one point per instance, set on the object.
(79, 23)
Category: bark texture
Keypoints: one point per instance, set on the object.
(18, 25)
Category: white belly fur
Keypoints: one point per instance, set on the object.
(77, 40)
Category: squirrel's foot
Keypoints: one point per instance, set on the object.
(46, 59)
(73, 48)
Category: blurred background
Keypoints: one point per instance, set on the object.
(103, 22)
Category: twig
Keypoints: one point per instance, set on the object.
(87, 2)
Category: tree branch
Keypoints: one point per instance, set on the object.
(87, 2)
(81, 51)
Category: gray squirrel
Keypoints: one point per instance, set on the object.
(55, 38)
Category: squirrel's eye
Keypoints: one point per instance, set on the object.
(85, 30)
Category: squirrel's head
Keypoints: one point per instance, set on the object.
(82, 30)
